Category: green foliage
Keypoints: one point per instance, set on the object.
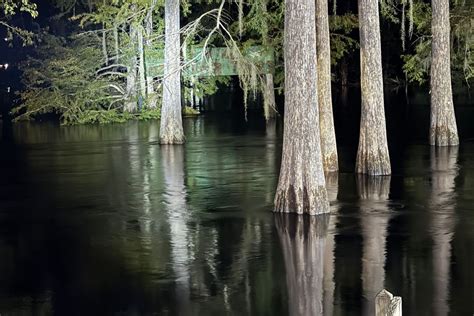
(115, 116)
(342, 41)
(417, 65)
(8, 8)
(61, 77)
(417, 57)
(189, 111)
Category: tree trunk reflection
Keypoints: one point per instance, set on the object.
(303, 242)
(175, 203)
(444, 171)
(373, 193)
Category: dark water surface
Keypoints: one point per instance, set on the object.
(102, 220)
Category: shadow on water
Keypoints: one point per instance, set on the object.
(102, 220)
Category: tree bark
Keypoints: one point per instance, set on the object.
(131, 92)
(372, 156)
(269, 104)
(171, 128)
(301, 186)
(116, 43)
(443, 129)
(326, 120)
(141, 66)
(152, 97)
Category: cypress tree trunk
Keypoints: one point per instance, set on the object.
(443, 129)
(301, 186)
(171, 129)
(372, 155)
(326, 121)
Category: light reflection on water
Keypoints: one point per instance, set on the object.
(102, 219)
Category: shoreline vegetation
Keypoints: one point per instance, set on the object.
(116, 116)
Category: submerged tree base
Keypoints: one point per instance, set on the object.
(172, 136)
(444, 136)
(301, 200)
(373, 162)
(330, 162)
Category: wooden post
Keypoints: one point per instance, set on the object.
(388, 305)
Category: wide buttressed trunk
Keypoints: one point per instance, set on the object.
(171, 128)
(326, 120)
(301, 186)
(372, 156)
(443, 129)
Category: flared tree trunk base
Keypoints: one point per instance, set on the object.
(330, 162)
(172, 140)
(301, 200)
(444, 136)
(373, 162)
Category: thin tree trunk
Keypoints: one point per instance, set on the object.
(301, 186)
(104, 48)
(116, 41)
(141, 67)
(372, 156)
(171, 129)
(326, 120)
(269, 104)
(152, 97)
(131, 92)
(443, 129)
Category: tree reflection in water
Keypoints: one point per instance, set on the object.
(375, 215)
(174, 195)
(332, 186)
(444, 170)
(303, 242)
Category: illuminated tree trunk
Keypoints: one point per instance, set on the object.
(152, 97)
(269, 104)
(326, 120)
(141, 64)
(372, 155)
(131, 92)
(301, 186)
(443, 129)
(171, 129)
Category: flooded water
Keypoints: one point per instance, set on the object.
(102, 220)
